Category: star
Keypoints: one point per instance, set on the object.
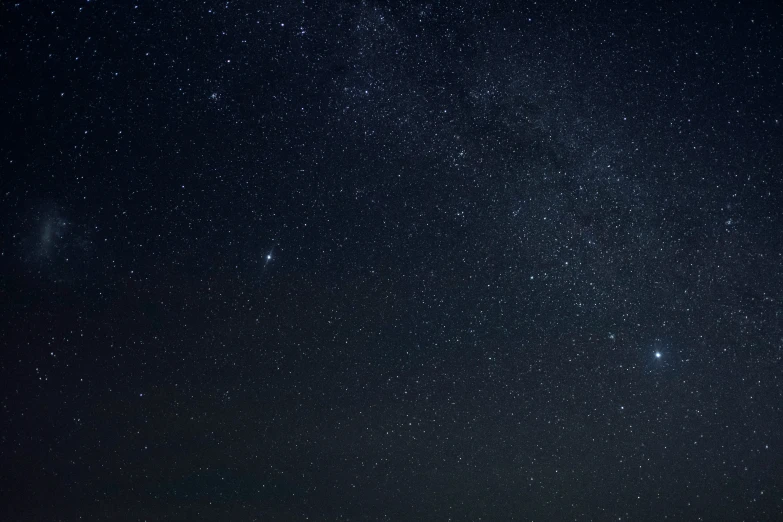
(657, 355)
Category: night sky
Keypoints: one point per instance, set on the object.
(391, 261)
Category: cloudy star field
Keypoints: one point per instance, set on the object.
(391, 261)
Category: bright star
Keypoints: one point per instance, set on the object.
(657, 355)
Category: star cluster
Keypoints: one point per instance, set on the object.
(391, 261)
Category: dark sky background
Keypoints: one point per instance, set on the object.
(391, 261)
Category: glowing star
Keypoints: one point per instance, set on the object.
(657, 355)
